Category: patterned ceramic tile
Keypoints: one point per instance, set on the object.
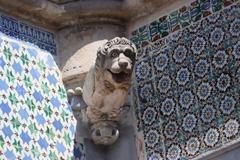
(195, 11)
(20, 30)
(188, 89)
(144, 36)
(164, 26)
(154, 31)
(36, 120)
(174, 21)
(216, 5)
(79, 152)
(184, 16)
(143, 70)
(205, 6)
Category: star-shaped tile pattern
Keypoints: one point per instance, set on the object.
(36, 119)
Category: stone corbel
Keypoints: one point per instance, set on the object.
(100, 105)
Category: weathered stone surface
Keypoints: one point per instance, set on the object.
(78, 47)
(57, 14)
(61, 1)
(105, 89)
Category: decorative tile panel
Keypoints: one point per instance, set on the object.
(177, 20)
(187, 80)
(79, 151)
(36, 120)
(23, 31)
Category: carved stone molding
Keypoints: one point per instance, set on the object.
(57, 14)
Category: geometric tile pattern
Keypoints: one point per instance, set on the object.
(28, 33)
(187, 84)
(36, 120)
(79, 152)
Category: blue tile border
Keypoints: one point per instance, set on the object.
(23, 31)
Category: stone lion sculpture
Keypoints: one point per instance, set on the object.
(106, 87)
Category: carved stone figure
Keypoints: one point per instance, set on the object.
(106, 88)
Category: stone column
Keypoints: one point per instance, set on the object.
(77, 53)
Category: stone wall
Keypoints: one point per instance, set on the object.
(187, 92)
(78, 46)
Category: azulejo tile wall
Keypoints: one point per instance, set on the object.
(36, 120)
(28, 33)
(79, 151)
(187, 84)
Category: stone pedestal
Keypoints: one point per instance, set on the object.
(123, 149)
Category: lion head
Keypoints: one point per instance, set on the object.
(117, 57)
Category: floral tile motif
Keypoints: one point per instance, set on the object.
(154, 31)
(184, 16)
(195, 11)
(164, 26)
(36, 120)
(174, 21)
(143, 70)
(205, 6)
(190, 103)
(23, 31)
(146, 92)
